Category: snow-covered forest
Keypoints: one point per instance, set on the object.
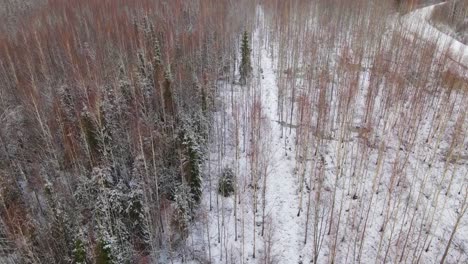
(246, 131)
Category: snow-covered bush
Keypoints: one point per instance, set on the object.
(226, 184)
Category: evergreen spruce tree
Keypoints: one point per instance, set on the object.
(79, 252)
(226, 185)
(125, 87)
(157, 57)
(167, 93)
(135, 216)
(60, 224)
(183, 202)
(103, 254)
(193, 162)
(245, 67)
(195, 179)
(204, 101)
(118, 213)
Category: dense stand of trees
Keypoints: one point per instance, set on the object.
(106, 109)
(139, 132)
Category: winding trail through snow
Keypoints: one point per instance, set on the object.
(417, 23)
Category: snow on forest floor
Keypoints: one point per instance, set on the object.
(281, 223)
(214, 236)
(281, 193)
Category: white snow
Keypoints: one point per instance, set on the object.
(425, 170)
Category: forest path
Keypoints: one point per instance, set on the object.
(417, 23)
(281, 192)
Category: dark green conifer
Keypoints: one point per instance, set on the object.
(79, 252)
(103, 255)
(245, 68)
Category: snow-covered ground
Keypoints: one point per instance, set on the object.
(282, 225)
(414, 212)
